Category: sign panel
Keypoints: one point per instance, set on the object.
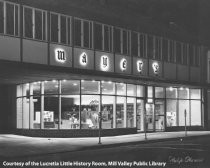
(60, 55)
(155, 68)
(83, 58)
(140, 66)
(104, 61)
(122, 64)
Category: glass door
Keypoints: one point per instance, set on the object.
(150, 117)
(159, 115)
(140, 115)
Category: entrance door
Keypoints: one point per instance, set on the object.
(159, 115)
(149, 117)
(140, 115)
(155, 119)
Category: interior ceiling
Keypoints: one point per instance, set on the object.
(181, 14)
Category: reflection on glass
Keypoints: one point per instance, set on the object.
(26, 112)
(89, 111)
(140, 114)
(140, 91)
(195, 93)
(19, 109)
(108, 87)
(107, 111)
(51, 87)
(149, 116)
(70, 112)
(159, 115)
(71, 87)
(36, 86)
(159, 92)
(120, 109)
(51, 112)
(184, 105)
(131, 111)
(150, 91)
(121, 88)
(35, 109)
(90, 87)
(131, 90)
(171, 92)
(195, 113)
(171, 113)
(183, 93)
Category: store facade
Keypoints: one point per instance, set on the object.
(138, 81)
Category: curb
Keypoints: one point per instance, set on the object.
(102, 146)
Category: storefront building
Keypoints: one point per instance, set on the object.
(138, 81)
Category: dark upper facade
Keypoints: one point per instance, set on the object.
(47, 28)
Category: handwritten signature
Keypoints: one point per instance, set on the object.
(186, 159)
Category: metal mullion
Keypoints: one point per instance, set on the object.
(103, 29)
(33, 23)
(129, 42)
(42, 25)
(14, 17)
(5, 17)
(121, 41)
(112, 36)
(82, 33)
(146, 40)
(138, 45)
(59, 28)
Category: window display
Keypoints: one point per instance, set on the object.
(75, 104)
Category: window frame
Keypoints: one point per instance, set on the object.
(68, 28)
(44, 29)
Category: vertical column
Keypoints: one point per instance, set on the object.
(31, 106)
(42, 106)
(134, 113)
(59, 104)
(114, 107)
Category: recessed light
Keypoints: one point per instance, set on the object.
(75, 84)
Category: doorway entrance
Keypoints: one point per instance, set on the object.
(155, 119)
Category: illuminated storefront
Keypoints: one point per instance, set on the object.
(75, 104)
(68, 69)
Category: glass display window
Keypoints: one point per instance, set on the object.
(70, 112)
(140, 91)
(183, 93)
(71, 87)
(131, 90)
(90, 87)
(90, 107)
(108, 87)
(171, 92)
(159, 92)
(120, 112)
(51, 87)
(131, 112)
(121, 88)
(108, 103)
(195, 93)
(51, 112)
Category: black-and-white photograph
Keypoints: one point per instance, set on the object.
(105, 83)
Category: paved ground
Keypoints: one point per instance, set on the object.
(13, 146)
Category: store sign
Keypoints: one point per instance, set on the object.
(123, 64)
(83, 59)
(60, 55)
(140, 66)
(156, 67)
(104, 63)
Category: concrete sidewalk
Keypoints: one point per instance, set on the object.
(20, 146)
